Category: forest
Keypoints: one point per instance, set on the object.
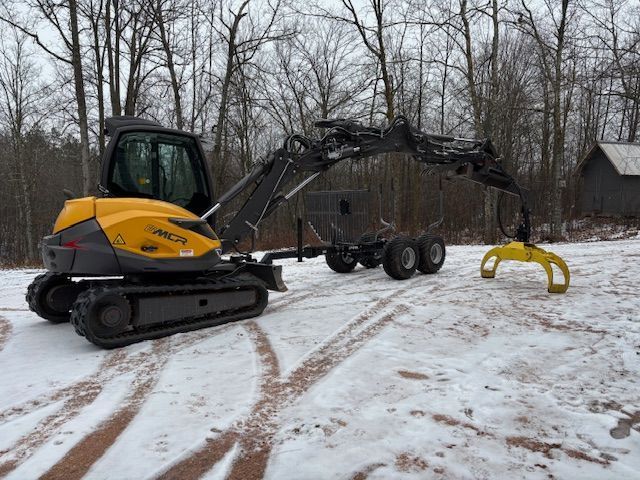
(544, 79)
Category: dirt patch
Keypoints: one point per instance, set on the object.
(623, 429)
(453, 422)
(405, 462)
(545, 448)
(547, 324)
(533, 445)
(5, 331)
(412, 375)
(366, 471)
(577, 454)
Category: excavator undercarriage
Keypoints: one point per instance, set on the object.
(148, 260)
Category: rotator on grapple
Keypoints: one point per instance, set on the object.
(144, 261)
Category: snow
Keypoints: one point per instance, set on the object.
(441, 376)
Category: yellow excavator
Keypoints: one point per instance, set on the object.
(145, 260)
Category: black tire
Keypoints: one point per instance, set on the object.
(105, 315)
(46, 297)
(370, 260)
(432, 253)
(340, 262)
(401, 258)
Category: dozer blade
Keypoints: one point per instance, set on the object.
(527, 252)
(271, 275)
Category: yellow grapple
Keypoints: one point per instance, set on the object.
(527, 252)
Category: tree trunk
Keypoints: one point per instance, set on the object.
(170, 64)
(76, 61)
(224, 95)
(558, 131)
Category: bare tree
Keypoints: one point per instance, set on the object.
(20, 99)
(63, 19)
(551, 49)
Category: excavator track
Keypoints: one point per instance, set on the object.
(98, 310)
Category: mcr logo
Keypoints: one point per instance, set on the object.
(165, 234)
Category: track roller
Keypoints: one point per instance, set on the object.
(527, 252)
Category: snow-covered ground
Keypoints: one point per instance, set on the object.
(346, 376)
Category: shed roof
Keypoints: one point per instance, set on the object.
(625, 157)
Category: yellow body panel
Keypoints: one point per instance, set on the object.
(142, 227)
(75, 211)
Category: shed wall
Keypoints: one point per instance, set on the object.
(631, 195)
(603, 188)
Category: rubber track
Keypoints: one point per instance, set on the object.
(88, 297)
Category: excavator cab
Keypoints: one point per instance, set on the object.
(145, 160)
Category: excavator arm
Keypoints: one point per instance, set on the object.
(474, 160)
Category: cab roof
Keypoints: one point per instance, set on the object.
(112, 124)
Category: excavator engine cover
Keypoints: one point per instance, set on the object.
(113, 236)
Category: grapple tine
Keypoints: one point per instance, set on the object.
(491, 272)
(527, 252)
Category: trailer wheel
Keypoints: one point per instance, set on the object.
(340, 262)
(432, 253)
(401, 257)
(370, 260)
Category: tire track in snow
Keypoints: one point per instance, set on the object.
(116, 364)
(103, 374)
(284, 302)
(255, 433)
(46, 428)
(261, 427)
(77, 462)
(81, 394)
(5, 331)
(82, 456)
(75, 397)
(214, 450)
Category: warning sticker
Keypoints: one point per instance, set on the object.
(188, 252)
(119, 240)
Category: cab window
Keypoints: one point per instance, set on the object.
(162, 166)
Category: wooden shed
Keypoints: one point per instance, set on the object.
(610, 174)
